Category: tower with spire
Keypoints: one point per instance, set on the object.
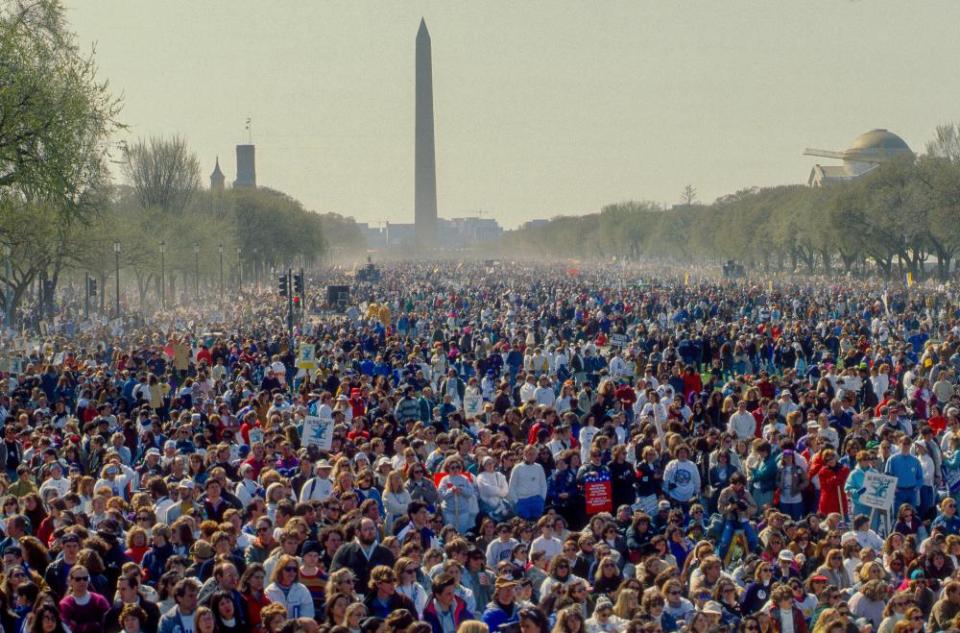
(217, 179)
(425, 164)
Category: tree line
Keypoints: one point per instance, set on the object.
(903, 216)
(61, 214)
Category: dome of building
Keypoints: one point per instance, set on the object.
(879, 140)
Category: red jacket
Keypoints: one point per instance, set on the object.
(831, 487)
(691, 384)
(799, 622)
(626, 394)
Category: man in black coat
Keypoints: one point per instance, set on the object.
(362, 554)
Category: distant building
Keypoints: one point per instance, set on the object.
(455, 233)
(868, 151)
(463, 232)
(217, 179)
(390, 235)
(532, 224)
(246, 167)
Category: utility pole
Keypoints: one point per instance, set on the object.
(220, 250)
(196, 266)
(86, 295)
(239, 269)
(116, 255)
(163, 278)
(290, 304)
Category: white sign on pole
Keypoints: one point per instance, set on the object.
(307, 358)
(318, 432)
(879, 491)
(472, 405)
(619, 340)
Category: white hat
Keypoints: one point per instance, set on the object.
(713, 607)
(785, 555)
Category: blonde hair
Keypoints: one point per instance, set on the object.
(394, 481)
(628, 600)
(473, 626)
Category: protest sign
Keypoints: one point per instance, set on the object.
(318, 432)
(598, 492)
(879, 490)
(307, 356)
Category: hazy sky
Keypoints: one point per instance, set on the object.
(542, 108)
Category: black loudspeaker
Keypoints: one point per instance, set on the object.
(338, 295)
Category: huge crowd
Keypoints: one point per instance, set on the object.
(511, 447)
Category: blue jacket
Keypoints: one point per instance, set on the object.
(907, 470)
(951, 525)
(154, 562)
(494, 615)
(854, 488)
(173, 622)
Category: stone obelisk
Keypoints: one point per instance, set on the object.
(425, 184)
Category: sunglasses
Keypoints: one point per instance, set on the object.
(81, 578)
(290, 568)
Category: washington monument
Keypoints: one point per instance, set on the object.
(425, 184)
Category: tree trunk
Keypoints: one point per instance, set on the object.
(827, 264)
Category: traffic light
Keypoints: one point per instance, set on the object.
(298, 284)
(284, 289)
(92, 287)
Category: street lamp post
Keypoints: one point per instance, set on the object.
(220, 251)
(196, 265)
(116, 257)
(163, 277)
(239, 269)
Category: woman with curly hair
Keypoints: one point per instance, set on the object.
(137, 544)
